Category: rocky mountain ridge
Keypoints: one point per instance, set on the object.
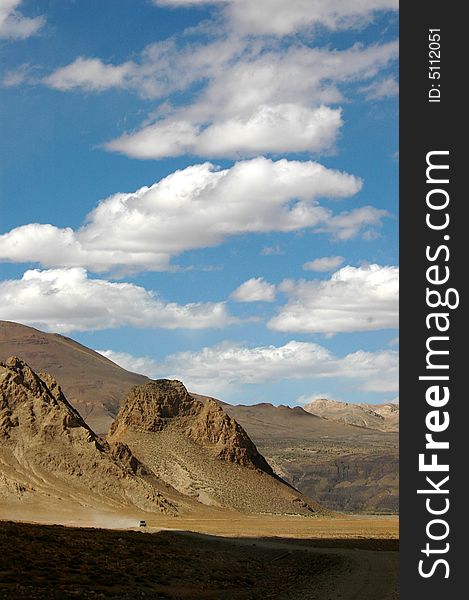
(152, 406)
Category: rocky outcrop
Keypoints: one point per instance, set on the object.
(150, 406)
(36, 405)
(213, 428)
(153, 406)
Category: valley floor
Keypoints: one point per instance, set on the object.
(245, 558)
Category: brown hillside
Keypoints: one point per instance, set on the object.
(93, 384)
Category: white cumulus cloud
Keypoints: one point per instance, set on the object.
(13, 24)
(196, 207)
(67, 300)
(382, 88)
(324, 264)
(217, 368)
(284, 111)
(283, 18)
(254, 290)
(348, 224)
(228, 67)
(280, 128)
(254, 97)
(144, 365)
(89, 74)
(353, 299)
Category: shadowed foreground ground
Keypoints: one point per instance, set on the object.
(56, 562)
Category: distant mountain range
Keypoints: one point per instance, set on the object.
(383, 417)
(344, 455)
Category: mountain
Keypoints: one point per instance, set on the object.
(200, 450)
(49, 457)
(383, 417)
(182, 455)
(344, 467)
(93, 384)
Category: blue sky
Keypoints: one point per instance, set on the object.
(207, 190)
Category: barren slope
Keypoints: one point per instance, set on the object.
(94, 385)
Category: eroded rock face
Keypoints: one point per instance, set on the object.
(214, 428)
(35, 403)
(148, 407)
(153, 406)
(168, 451)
